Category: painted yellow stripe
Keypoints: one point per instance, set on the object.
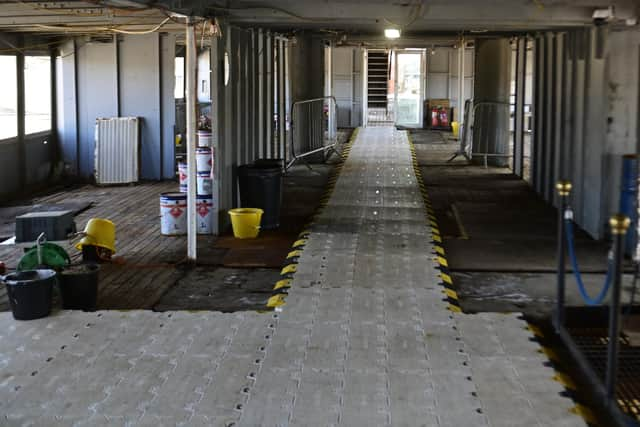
(294, 254)
(446, 278)
(284, 283)
(435, 230)
(433, 223)
(551, 355)
(299, 243)
(443, 261)
(565, 381)
(451, 293)
(454, 308)
(275, 301)
(437, 238)
(440, 250)
(535, 330)
(585, 413)
(291, 268)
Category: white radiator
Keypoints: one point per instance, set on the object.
(117, 150)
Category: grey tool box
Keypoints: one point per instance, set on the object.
(56, 225)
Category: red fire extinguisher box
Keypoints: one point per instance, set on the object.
(437, 114)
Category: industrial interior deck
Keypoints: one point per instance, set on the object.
(363, 339)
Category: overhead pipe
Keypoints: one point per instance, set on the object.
(190, 84)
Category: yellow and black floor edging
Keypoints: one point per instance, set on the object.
(562, 376)
(440, 259)
(281, 288)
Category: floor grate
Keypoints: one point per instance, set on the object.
(593, 343)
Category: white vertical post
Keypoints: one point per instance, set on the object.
(461, 50)
(190, 82)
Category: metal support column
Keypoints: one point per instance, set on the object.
(461, 51)
(281, 100)
(619, 225)
(260, 94)
(521, 77)
(564, 190)
(268, 99)
(190, 83)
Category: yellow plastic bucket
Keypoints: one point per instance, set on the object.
(99, 232)
(455, 127)
(246, 222)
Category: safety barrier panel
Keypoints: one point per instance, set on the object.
(313, 128)
(471, 131)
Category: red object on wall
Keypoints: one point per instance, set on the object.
(434, 117)
(443, 117)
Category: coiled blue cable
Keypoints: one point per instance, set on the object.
(576, 272)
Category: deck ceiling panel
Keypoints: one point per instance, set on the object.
(370, 16)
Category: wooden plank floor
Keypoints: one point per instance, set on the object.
(147, 266)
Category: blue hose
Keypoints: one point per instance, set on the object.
(576, 272)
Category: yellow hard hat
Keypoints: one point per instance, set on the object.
(99, 232)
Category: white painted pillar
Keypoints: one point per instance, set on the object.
(190, 82)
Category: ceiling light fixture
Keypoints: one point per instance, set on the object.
(392, 33)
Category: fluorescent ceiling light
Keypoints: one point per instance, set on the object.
(392, 33)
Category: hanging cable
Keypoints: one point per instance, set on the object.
(576, 272)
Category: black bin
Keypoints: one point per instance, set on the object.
(30, 293)
(261, 187)
(79, 287)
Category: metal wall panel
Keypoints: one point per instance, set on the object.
(520, 77)
(342, 77)
(97, 80)
(139, 84)
(67, 120)
(167, 104)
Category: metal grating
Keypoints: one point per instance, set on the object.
(117, 150)
(593, 344)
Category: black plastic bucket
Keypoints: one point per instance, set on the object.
(261, 187)
(79, 287)
(30, 293)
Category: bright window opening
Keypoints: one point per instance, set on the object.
(9, 98)
(178, 91)
(37, 93)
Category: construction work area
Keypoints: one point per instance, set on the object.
(300, 213)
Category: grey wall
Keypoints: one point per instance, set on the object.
(129, 75)
(585, 118)
(347, 85)
(249, 117)
(491, 100)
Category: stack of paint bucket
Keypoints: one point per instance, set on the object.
(173, 206)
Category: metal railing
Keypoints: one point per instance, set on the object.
(604, 386)
(313, 128)
(483, 134)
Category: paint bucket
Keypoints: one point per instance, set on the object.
(173, 214)
(246, 222)
(204, 183)
(30, 293)
(205, 139)
(204, 209)
(183, 176)
(204, 160)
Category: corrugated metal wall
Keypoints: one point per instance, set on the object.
(250, 105)
(580, 114)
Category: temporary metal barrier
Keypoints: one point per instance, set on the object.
(483, 133)
(313, 128)
(604, 387)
